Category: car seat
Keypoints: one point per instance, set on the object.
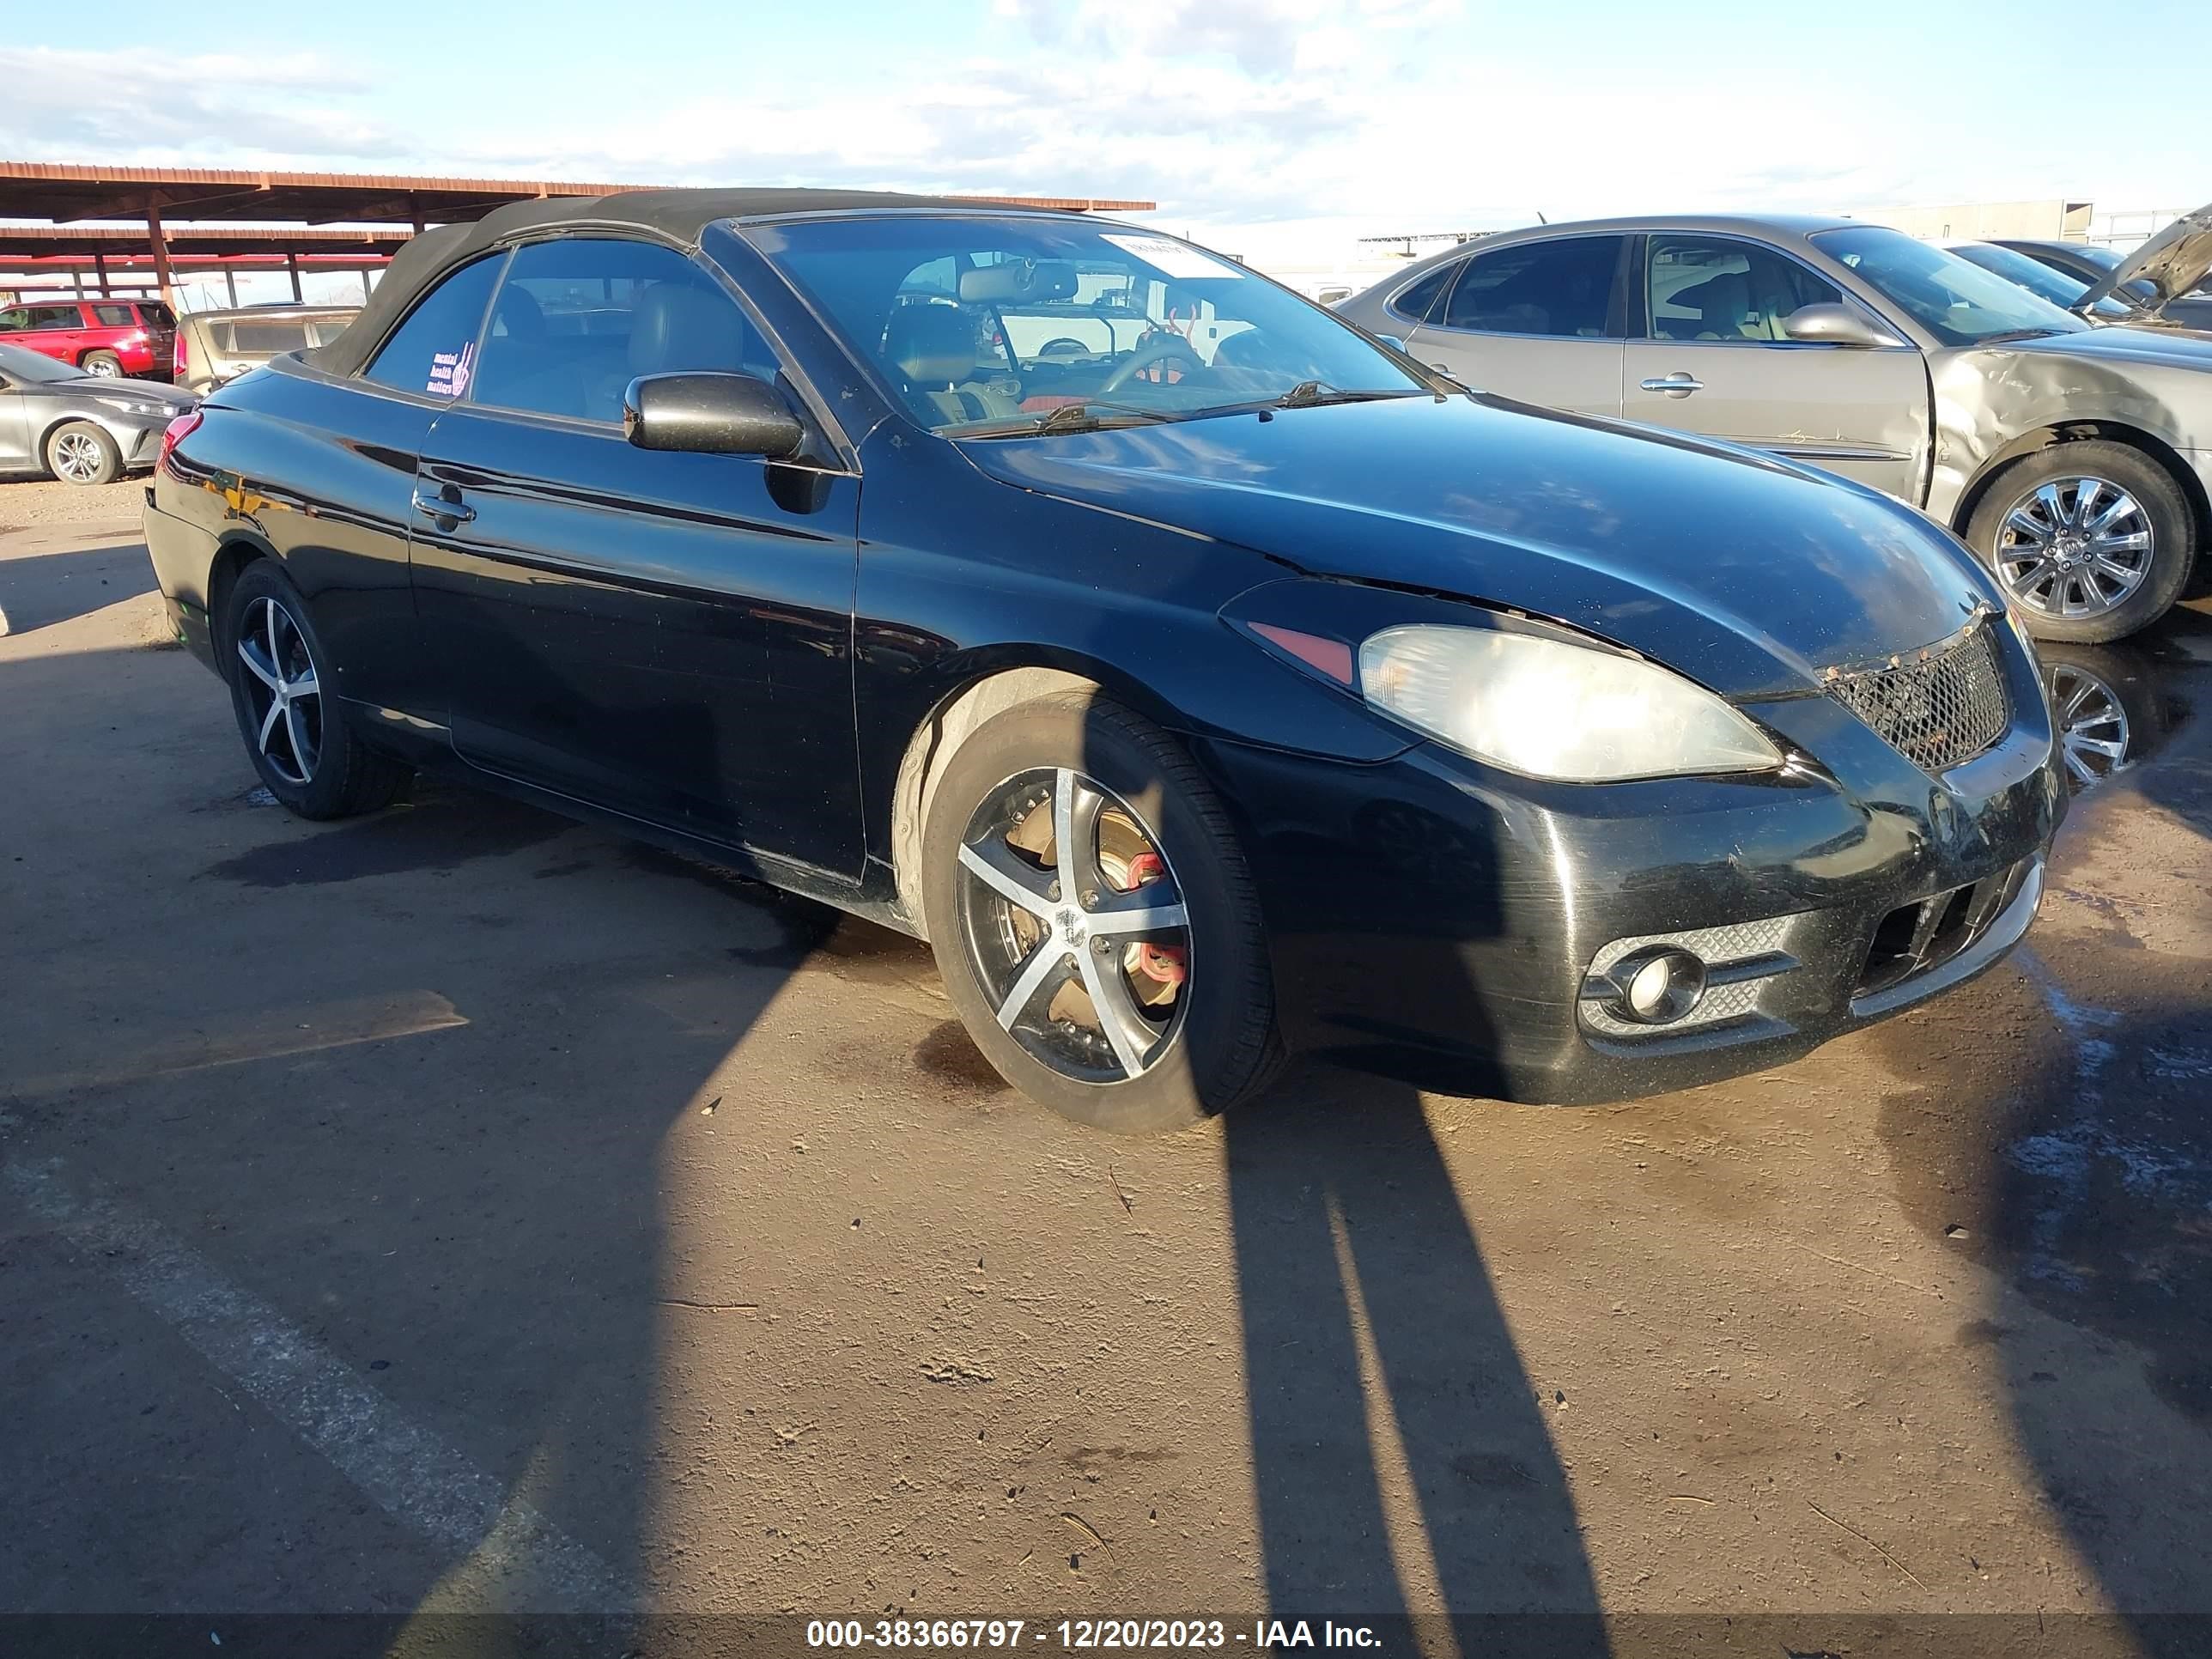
(931, 349)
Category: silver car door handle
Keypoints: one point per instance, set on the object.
(456, 511)
(1677, 385)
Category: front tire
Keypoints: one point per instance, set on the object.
(82, 452)
(307, 754)
(2093, 540)
(1094, 919)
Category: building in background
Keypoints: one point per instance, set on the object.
(2057, 220)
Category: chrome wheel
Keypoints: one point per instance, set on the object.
(105, 368)
(2092, 725)
(1075, 926)
(2074, 547)
(77, 457)
(283, 691)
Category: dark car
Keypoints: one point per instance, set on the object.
(97, 336)
(81, 428)
(2095, 266)
(1243, 687)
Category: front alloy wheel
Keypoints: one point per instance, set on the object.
(283, 691)
(1093, 916)
(1075, 926)
(2075, 548)
(78, 456)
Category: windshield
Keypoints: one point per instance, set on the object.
(21, 363)
(980, 323)
(1960, 304)
(2037, 277)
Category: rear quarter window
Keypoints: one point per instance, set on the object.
(1415, 303)
(433, 351)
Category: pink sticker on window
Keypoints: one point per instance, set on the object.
(449, 371)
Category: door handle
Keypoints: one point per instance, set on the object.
(1677, 385)
(449, 506)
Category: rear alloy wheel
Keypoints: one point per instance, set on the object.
(306, 753)
(2093, 540)
(80, 452)
(1094, 920)
(105, 364)
(282, 690)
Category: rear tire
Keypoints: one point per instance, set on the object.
(82, 452)
(307, 753)
(1191, 1001)
(105, 364)
(2085, 575)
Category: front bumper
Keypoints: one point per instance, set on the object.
(1439, 921)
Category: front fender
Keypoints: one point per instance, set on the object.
(1991, 403)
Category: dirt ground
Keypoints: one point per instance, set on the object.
(457, 1210)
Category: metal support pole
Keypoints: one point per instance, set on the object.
(292, 265)
(230, 283)
(99, 264)
(160, 249)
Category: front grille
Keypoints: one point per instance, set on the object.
(1928, 933)
(1938, 710)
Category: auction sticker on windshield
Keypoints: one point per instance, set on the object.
(1172, 259)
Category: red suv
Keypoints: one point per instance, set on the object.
(101, 336)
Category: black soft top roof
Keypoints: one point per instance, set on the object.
(681, 216)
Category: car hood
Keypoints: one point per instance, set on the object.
(1746, 573)
(2165, 344)
(2173, 263)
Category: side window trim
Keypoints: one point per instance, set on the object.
(1640, 307)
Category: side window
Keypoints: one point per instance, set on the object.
(579, 319)
(57, 317)
(1563, 289)
(434, 349)
(1415, 304)
(1704, 287)
(113, 316)
(14, 320)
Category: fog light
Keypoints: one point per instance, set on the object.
(1658, 986)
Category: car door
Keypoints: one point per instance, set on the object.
(664, 635)
(1713, 355)
(1536, 320)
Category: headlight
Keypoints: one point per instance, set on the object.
(134, 405)
(1551, 709)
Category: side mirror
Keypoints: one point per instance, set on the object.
(1392, 340)
(711, 415)
(1830, 322)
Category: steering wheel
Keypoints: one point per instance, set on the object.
(1157, 350)
(1063, 347)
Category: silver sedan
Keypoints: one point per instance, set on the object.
(2076, 461)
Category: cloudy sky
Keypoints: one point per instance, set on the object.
(1274, 128)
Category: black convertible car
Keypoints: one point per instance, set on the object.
(1203, 677)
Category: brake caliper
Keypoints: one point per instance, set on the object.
(1164, 964)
